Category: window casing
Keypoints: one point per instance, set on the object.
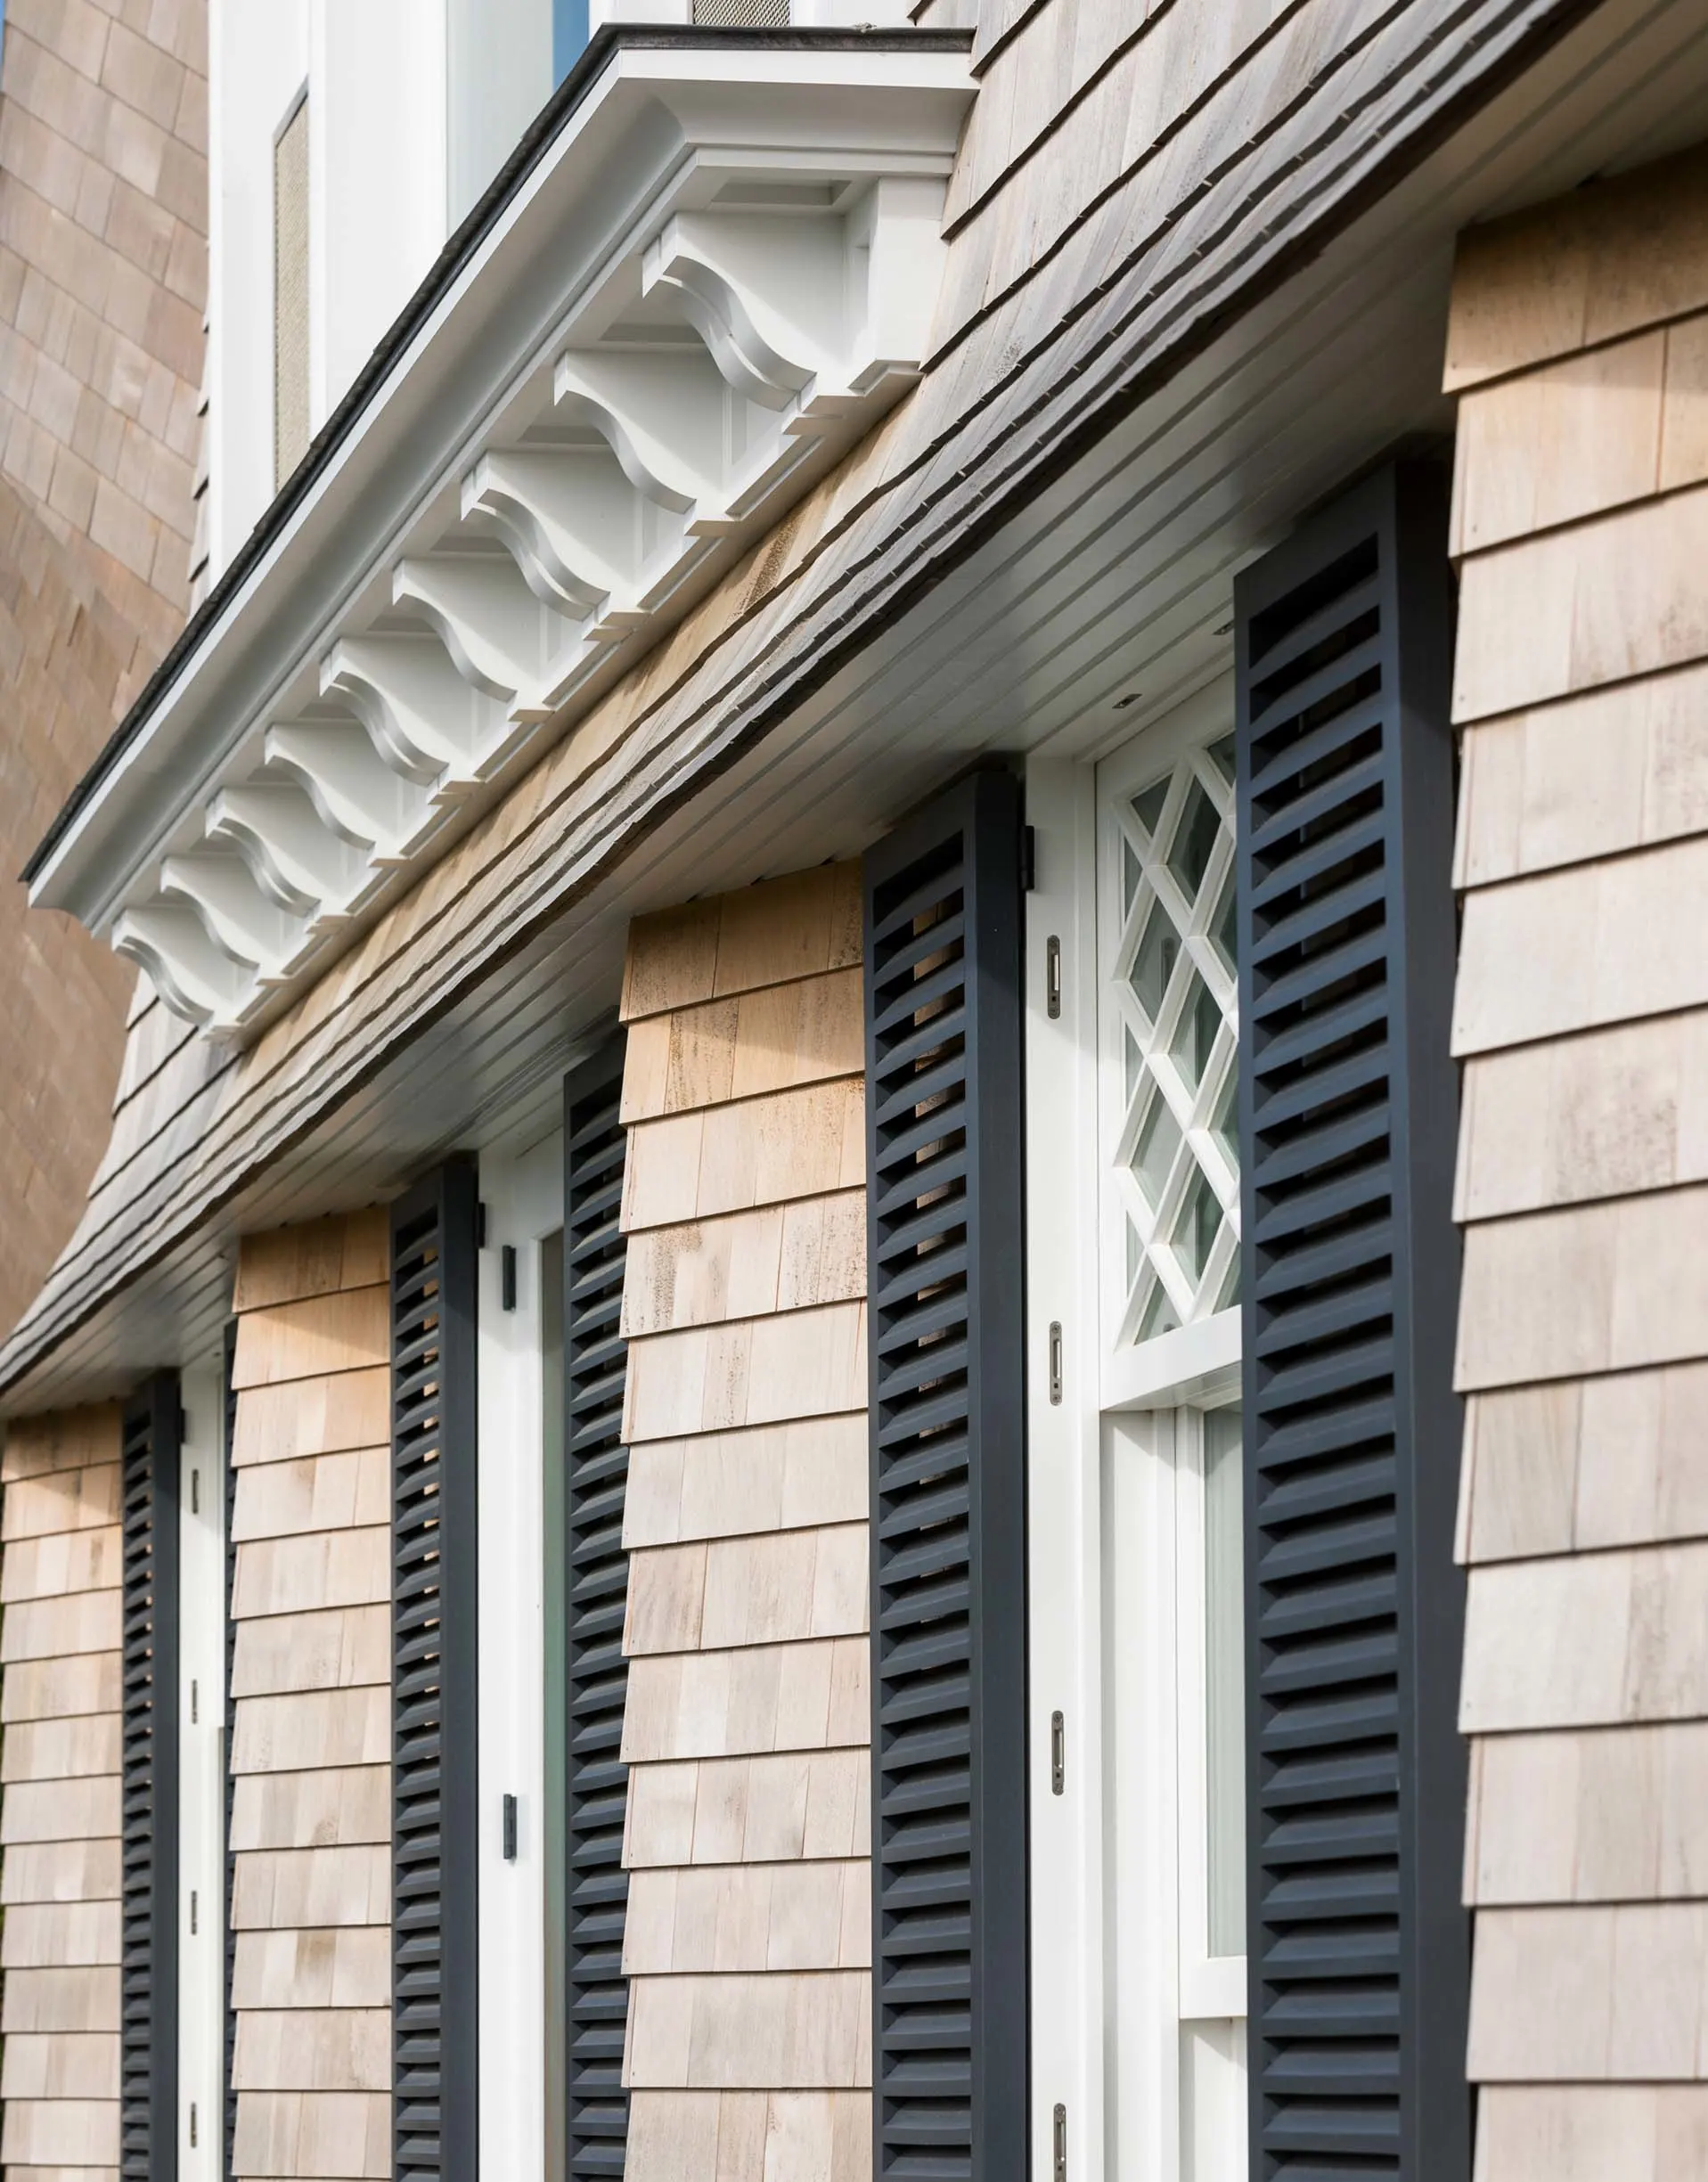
(1137, 1503)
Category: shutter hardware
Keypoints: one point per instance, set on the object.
(1058, 1753)
(1061, 2133)
(510, 1829)
(507, 1276)
(193, 2125)
(1053, 978)
(195, 1492)
(1055, 1363)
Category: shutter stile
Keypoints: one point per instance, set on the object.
(148, 1973)
(1358, 1964)
(943, 988)
(595, 1368)
(434, 1756)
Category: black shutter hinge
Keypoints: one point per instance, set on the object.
(507, 1276)
(1028, 858)
(510, 1829)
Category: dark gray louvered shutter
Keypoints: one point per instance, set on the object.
(596, 1584)
(434, 1662)
(148, 2084)
(1358, 1957)
(944, 1235)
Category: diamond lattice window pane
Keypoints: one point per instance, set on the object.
(1148, 807)
(1154, 964)
(1222, 1121)
(1196, 1227)
(1175, 995)
(1160, 1316)
(1195, 840)
(1225, 929)
(1159, 1141)
(1194, 1033)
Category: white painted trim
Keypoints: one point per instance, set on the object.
(202, 1777)
(1194, 1363)
(1211, 1985)
(524, 1200)
(1063, 1649)
(812, 300)
(1141, 2114)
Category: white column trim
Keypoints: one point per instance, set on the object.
(202, 1777)
(523, 1199)
(1068, 2011)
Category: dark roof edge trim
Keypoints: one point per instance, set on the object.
(604, 47)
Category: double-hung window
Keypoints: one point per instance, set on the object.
(1137, 1496)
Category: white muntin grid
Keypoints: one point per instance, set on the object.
(1171, 1035)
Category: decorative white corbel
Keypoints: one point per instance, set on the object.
(569, 518)
(691, 377)
(357, 796)
(665, 417)
(427, 723)
(500, 637)
(897, 255)
(195, 977)
(255, 933)
(296, 859)
(765, 295)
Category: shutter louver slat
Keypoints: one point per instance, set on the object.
(594, 1370)
(434, 1634)
(1358, 1958)
(148, 2092)
(942, 1051)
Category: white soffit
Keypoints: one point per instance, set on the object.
(720, 273)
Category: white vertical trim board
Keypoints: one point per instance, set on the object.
(1062, 1516)
(523, 1199)
(202, 1777)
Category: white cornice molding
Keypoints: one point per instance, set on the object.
(720, 273)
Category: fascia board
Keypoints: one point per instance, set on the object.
(617, 167)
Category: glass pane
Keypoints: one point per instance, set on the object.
(557, 1706)
(1225, 931)
(1196, 838)
(1196, 1225)
(1158, 1141)
(1222, 757)
(1194, 1034)
(1160, 1315)
(1223, 1126)
(1148, 807)
(1154, 964)
(1224, 1677)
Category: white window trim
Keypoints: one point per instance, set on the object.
(1069, 2013)
(201, 1775)
(1131, 1373)
(1117, 1976)
(523, 1199)
(1212, 1986)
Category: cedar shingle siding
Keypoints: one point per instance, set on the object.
(103, 221)
(1579, 348)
